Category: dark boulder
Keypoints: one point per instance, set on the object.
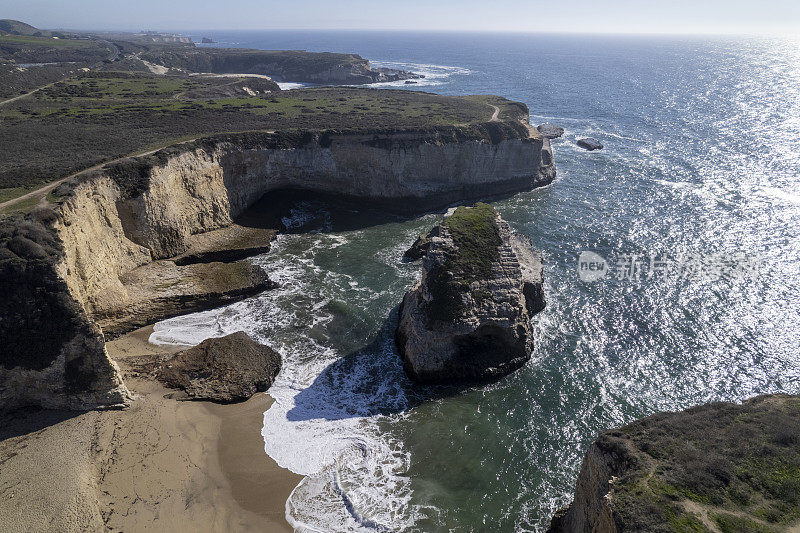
(590, 143)
(421, 245)
(551, 131)
(226, 369)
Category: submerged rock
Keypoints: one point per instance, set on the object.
(590, 143)
(468, 319)
(715, 467)
(225, 369)
(551, 131)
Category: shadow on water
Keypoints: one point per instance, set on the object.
(367, 382)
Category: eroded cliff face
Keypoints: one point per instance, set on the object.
(113, 224)
(712, 468)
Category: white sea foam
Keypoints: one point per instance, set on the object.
(775, 192)
(287, 85)
(434, 74)
(323, 423)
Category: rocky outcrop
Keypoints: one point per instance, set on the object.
(469, 318)
(52, 355)
(226, 369)
(421, 245)
(551, 131)
(590, 143)
(116, 232)
(716, 467)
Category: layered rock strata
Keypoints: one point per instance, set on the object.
(113, 238)
(469, 318)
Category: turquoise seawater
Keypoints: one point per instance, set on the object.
(700, 174)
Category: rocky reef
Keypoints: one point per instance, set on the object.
(226, 369)
(469, 318)
(134, 242)
(720, 467)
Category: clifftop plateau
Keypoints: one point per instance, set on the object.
(720, 467)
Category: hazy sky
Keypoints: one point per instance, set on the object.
(614, 16)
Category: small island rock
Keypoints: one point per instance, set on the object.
(551, 131)
(225, 369)
(468, 319)
(590, 143)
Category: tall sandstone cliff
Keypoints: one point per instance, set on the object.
(74, 259)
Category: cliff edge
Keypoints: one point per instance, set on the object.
(720, 467)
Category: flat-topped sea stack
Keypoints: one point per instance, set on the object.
(720, 467)
(469, 318)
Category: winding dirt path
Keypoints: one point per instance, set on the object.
(496, 115)
(50, 186)
(42, 191)
(4, 102)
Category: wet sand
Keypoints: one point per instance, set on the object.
(160, 465)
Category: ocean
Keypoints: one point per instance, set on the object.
(693, 206)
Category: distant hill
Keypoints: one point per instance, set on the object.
(16, 27)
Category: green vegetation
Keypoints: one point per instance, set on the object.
(292, 65)
(729, 523)
(35, 49)
(741, 463)
(100, 116)
(8, 41)
(477, 238)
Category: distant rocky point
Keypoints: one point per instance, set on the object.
(226, 369)
(281, 65)
(207, 40)
(468, 319)
(720, 467)
(590, 143)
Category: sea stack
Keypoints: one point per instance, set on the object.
(469, 318)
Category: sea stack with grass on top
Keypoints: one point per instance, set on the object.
(469, 317)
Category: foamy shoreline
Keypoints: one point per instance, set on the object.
(159, 464)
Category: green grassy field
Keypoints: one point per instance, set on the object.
(44, 42)
(101, 116)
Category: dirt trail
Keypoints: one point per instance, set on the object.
(4, 102)
(50, 186)
(42, 191)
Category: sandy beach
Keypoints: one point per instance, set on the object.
(160, 465)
